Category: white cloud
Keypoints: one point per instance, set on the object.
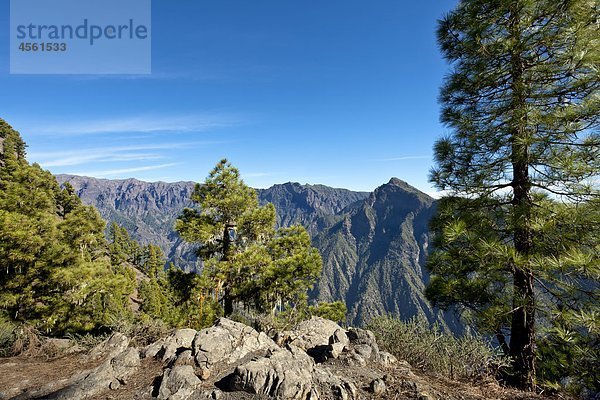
(84, 159)
(119, 172)
(108, 154)
(138, 124)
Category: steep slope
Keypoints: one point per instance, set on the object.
(146, 209)
(373, 245)
(313, 206)
(374, 256)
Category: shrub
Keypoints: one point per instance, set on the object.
(335, 311)
(430, 349)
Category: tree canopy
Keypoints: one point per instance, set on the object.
(517, 240)
(55, 273)
(246, 260)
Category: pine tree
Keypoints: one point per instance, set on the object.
(520, 166)
(229, 222)
(245, 259)
(55, 272)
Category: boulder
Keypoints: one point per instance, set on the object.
(228, 341)
(337, 343)
(364, 344)
(111, 374)
(152, 349)
(178, 341)
(284, 374)
(178, 383)
(333, 386)
(313, 333)
(110, 347)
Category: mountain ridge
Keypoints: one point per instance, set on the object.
(373, 244)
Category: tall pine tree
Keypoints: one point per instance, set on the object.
(520, 165)
(55, 273)
(245, 259)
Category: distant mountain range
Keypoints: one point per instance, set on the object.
(373, 244)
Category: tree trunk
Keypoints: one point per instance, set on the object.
(522, 331)
(522, 334)
(227, 297)
(227, 302)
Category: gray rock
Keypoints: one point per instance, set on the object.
(337, 343)
(363, 350)
(112, 346)
(153, 349)
(338, 387)
(228, 341)
(377, 387)
(178, 340)
(313, 333)
(111, 374)
(184, 358)
(285, 374)
(178, 383)
(212, 394)
(364, 343)
(387, 359)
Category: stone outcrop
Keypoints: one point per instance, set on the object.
(233, 361)
(119, 363)
(237, 358)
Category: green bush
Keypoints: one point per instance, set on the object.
(7, 337)
(430, 349)
(335, 311)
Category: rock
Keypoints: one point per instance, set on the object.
(339, 336)
(125, 364)
(377, 387)
(181, 339)
(183, 358)
(364, 343)
(313, 333)
(204, 374)
(178, 383)
(153, 349)
(408, 385)
(228, 341)
(355, 359)
(387, 359)
(285, 374)
(337, 387)
(337, 343)
(112, 346)
(334, 350)
(111, 374)
(213, 394)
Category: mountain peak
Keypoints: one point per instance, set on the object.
(398, 185)
(397, 182)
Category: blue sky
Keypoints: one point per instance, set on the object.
(337, 92)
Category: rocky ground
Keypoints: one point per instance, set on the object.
(317, 360)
